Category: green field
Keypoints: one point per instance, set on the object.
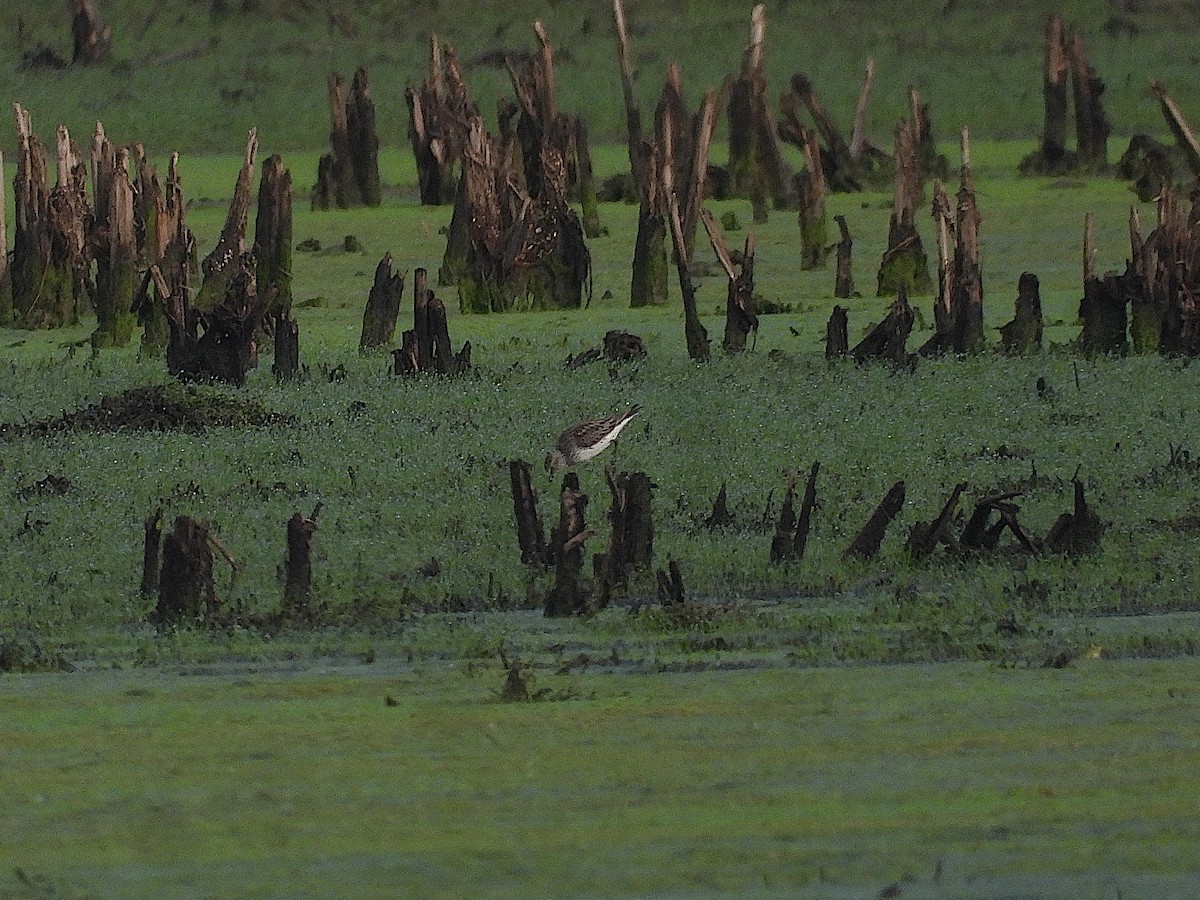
(986, 725)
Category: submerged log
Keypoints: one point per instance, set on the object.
(569, 595)
(273, 233)
(348, 176)
(383, 306)
(530, 533)
(867, 542)
(1024, 333)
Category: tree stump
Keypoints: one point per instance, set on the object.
(1052, 156)
(152, 549)
(228, 349)
(791, 531)
(1092, 127)
(439, 113)
(888, 339)
(348, 176)
(6, 302)
(694, 332)
(426, 347)
(867, 542)
(287, 345)
(297, 588)
(92, 38)
(1024, 333)
(648, 284)
(114, 244)
(840, 168)
(904, 262)
(229, 260)
(530, 534)
(720, 519)
(186, 590)
(569, 595)
(383, 306)
(170, 250)
(273, 233)
(924, 537)
(811, 190)
(843, 285)
(631, 543)
(671, 591)
(1102, 309)
(50, 259)
(1076, 533)
(1185, 138)
(837, 334)
(740, 314)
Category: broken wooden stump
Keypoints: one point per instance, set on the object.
(6, 306)
(792, 530)
(720, 519)
(837, 334)
(91, 38)
(1102, 311)
(151, 553)
(618, 346)
(981, 533)
(170, 250)
(383, 307)
(273, 233)
(287, 346)
(50, 263)
(888, 339)
(648, 282)
(810, 192)
(843, 285)
(114, 243)
(1024, 333)
(186, 589)
(868, 540)
(694, 331)
(904, 262)
(426, 348)
(671, 591)
(631, 542)
(1078, 532)
(348, 176)
(1185, 138)
(229, 258)
(925, 537)
(530, 534)
(297, 587)
(741, 316)
(439, 113)
(569, 595)
(1092, 127)
(228, 348)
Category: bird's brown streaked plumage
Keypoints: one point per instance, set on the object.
(581, 442)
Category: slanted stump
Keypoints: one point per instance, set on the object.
(867, 542)
(888, 339)
(904, 262)
(229, 259)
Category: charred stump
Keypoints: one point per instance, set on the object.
(981, 533)
(837, 334)
(1092, 127)
(273, 233)
(186, 590)
(843, 285)
(888, 339)
(1102, 310)
(720, 519)
(904, 262)
(740, 315)
(114, 244)
(297, 586)
(287, 345)
(569, 595)
(1024, 333)
(867, 542)
(631, 543)
(228, 349)
(173, 255)
(383, 306)
(671, 591)
(229, 260)
(756, 164)
(439, 114)
(811, 190)
(530, 534)
(348, 176)
(50, 258)
(92, 39)
(151, 553)
(426, 347)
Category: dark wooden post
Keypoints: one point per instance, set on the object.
(364, 141)
(530, 534)
(297, 589)
(273, 233)
(287, 345)
(171, 254)
(1102, 309)
(348, 176)
(631, 544)
(1091, 122)
(740, 315)
(1024, 333)
(569, 595)
(867, 542)
(6, 304)
(151, 551)
(693, 329)
(186, 589)
(383, 306)
(837, 334)
(648, 285)
(1051, 156)
(633, 112)
(843, 285)
(887, 340)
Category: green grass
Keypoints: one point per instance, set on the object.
(959, 781)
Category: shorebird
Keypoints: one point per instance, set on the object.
(581, 442)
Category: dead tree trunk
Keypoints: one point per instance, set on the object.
(287, 345)
(838, 164)
(171, 254)
(1091, 122)
(92, 38)
(631, 544)
(671, 591)
(114, 244)
(6, 302)
(151, 551)
(530, 534)
(740, 315)
(843, 285)
(569, 596)
(383, 306)
(297, 589)
(791, 532)
(648, 286)
(633, 112)
(1024, 333)
(810, 191)
(887, 340)
(50, 259)
(1102, 309)
(1078, 532)
(756, 163)
(867, 542)
(349, 175)
(426, 348)
(228, 348)
(186, 590)
(904, 262)
(273, 233)
(439, 113)
(693, 329)
(229, 259)
(925, 536)
(837, 334)
(1052, 156)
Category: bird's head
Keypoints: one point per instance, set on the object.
(555, 461)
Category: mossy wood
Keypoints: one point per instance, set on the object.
(273, 233)
(811, 189)
(757, 167)
(904, 262)
(648, 282)
(114, 243)
(229, 260)
(172, 257)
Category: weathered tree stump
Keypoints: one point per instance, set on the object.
(297, 586)
(924, 537)
(114, 244)
(6, 302)
(92, 38)
(837, 334)
(720, 519)
(229, 260)
(228, 349)
(843, 285)
(151, 552)
(981, 533)
(1024, 333)
(439, 113)
(1102, 310)
(867, 542)
(740, 315)
(530, 534)
(693, 329)
(888, 339)
(186, 590)
(840, 168)
(671, 591)
(1078, 532)
(1092, 127)
(287, 345)
(383, 306)
(631, 542)
(756, 163)
(1052, 156)
(811, 190)
(930, 163)
(273, 233)
(904, 262)
(50, 258)
(569, 595)
(791, 531)
(172, 254)
(348, 176)
(648, 284)
(426, 347)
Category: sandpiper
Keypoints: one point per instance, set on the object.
(581, 442)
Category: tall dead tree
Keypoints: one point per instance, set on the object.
(757, 168)
(439, 114)
(114, 243)
(229, 259)
(348, 176)
(383, 306)
(51, 262)
(92, 38)
(904, 262)
(740, 315)
(958, 310)
(273, 233)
